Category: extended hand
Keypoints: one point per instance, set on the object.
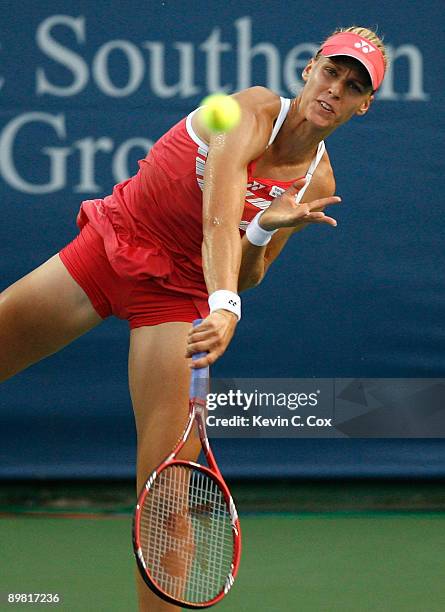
(212, 336)
(285, 212)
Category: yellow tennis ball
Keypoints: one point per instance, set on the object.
(221, 113)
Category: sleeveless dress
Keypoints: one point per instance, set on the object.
(152, 223)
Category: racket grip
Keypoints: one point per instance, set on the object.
(200, 376)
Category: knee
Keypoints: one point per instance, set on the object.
(6, 313)
(7, 299)
(3, 298)
(7, 332)
(15, 335)
(9, 312)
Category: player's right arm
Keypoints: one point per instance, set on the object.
(225, 183)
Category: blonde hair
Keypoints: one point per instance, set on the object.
(369, 35)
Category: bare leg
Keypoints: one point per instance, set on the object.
(39, 314)
(159, 383)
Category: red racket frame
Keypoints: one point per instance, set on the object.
(197, 409)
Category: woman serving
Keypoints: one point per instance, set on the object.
(165, 247)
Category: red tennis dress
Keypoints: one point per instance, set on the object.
(138, 255)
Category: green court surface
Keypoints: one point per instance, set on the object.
(308, 562)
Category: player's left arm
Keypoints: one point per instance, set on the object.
(257, 260)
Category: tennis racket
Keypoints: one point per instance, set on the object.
(186, 532)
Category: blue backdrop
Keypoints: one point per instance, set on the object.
(84, 91)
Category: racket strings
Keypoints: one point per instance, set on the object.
(186, 534)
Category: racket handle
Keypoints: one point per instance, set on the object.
(200, 376)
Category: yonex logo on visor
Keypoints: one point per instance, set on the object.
(364, 46)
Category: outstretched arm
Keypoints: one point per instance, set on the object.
(225, 182)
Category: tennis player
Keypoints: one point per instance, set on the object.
(165, 247)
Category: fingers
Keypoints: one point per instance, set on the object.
(201, 337)
(311, 212)
(211, 336)
(322, 202)
(198, 336)
(203, 346)
(319, 217)
(206, 361)
(213, 344)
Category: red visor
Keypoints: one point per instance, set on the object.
(352, 45)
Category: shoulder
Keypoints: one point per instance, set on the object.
(256, 94)
(259, 109)
(261, 102)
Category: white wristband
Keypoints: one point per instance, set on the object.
(256, 234)
(227, 300)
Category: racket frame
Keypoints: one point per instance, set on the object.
(197, 412)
